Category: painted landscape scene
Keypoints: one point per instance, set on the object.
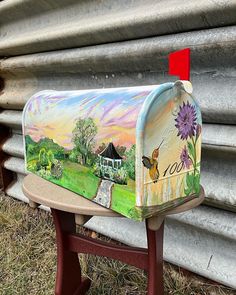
(86, 143)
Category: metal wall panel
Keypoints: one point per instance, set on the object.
(93, 44)
(137, 62)
(34, 26)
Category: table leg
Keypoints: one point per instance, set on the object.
(155, 260)
(6, 176)
(68, 279)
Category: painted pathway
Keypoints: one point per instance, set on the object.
(104, 193)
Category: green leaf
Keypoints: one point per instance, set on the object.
(196, 184)
(191, 149)
(189, 180)
(197, 171)
(187, 191)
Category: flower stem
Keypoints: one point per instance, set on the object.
(194, 156)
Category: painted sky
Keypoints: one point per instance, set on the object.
(53, 114)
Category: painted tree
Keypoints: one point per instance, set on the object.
(101, 148)
(83, 138)
(121, 150)
(130, 162)
(30, 149)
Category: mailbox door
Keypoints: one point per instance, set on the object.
(171, 151)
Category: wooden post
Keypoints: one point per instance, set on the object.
(6, 176)
(68, 280)
(155, 260)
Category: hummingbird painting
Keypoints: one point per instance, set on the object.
(152, 164)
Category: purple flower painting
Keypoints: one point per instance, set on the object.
(198, 130)
(189, 129)
(186, 121)
(185, 158)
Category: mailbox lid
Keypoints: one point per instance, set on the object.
(169, 136)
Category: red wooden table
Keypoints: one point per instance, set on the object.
(69, 209)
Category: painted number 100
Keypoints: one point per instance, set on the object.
(172, 168)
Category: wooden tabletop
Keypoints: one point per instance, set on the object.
(48, 194)
(54, 196)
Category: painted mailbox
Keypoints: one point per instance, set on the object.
(135, 150)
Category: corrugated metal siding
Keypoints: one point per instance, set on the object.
(136, 62)
(35, 26)
(94, 44)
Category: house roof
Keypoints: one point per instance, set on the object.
(110, 152)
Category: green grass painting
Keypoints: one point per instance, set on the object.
(81, 180)
(123, 197)
(78, 179)
(109, 186)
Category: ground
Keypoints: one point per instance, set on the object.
(28, 261)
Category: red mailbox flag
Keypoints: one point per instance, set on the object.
(179, 64)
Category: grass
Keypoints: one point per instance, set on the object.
(78, 179)
(123, 197)
(81, 180)
(28, 261)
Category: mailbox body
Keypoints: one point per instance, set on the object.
(135, 150)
